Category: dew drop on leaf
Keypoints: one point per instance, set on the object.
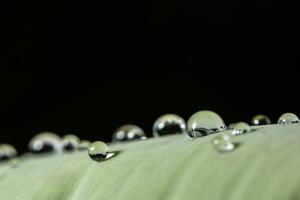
(169, 124)
(222, 143)
(7, 152)
(70, 142)
(98, 151)
(241, 128)
(288, 118)
(128, 132)
(205, 122)
(83, 145)
(260, 120)
(231, 126)
(45, 142)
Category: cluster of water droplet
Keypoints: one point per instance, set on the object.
(200, 124)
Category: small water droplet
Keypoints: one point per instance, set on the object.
(260, 120)
(7, 152)
(169, 124)
(231, 126)
(288, 118)
(98, 151)
(241, 128)
(205, 122)
(45, 142)
(70, 142)
(222, 143)
(83, 145)
(128, 132)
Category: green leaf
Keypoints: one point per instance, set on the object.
(264, 166)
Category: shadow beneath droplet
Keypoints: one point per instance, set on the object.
(236, 144)
(253, 130)
(110, 155)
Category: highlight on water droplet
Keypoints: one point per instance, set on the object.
(70, 142)
(169, 124)
(84, 145)
(98, 151)
(288, 118)
(222, 143)
(205, 122)
(45, 142)
(241, 128)
(7, 152)
(260, 120)
(128, 132)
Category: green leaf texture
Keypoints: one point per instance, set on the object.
(264, 166)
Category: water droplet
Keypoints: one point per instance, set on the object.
(128, 132)
(205, 122)
(169, 124)
(45, 142)
(7, 152)
(223, 143)
(83, 145)
(260, 120)
(241, 128)
(288, 118)
(231, 126)
(70, 142)
(98, 151)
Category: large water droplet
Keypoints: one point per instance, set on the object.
(260, 120)
(222, 143)
(205, 122)
(98, 151)
(169, 124)
(241, 128)
(70, 142)
(45, 142)
(128, 132)
(83, 145)
(288, 118)
(7, 151)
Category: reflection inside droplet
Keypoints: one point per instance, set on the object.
(205, 122)
(70, 142)
(128, 132)
(169, 124)
(45, 142)
(7, 152)
(241, 128)
(98, 151)
(222, 143)
(260, 120)
(288, 118)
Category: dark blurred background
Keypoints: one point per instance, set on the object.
(88, 67)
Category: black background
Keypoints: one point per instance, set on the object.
(88, 67)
